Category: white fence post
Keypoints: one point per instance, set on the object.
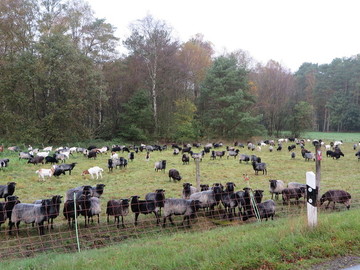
(197, 175)
(311, 194)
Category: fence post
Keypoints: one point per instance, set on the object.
(318, 159)
(197, 162)
(311, 192)
(76, 224)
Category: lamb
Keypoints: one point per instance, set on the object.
(7, 207)
(44, 172)
(24, 155)
(188, 189)
(208, 198)
(93, 171)
(259, 167)
(160, 165)
(185, 159)
(144, 207)
(36, 160)
(30, 213)
(187, 208)
(336, 196)
(7, 190)
(292, 193)
(117, 208)
(276, 187)
(54, 209)
(174, 175)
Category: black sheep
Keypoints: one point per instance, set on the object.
(174, 175)
(7, 190)
(144, 207)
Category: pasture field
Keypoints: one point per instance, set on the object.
(140, 178)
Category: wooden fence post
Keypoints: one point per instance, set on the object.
(197, 162)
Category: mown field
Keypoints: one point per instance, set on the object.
(139, 178)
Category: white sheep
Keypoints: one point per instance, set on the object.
(42, 154)
(45, 172)
(93, 171)
(48, 149)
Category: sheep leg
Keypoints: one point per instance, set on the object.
(108, 219)
(122, 221)
(98, 216)
(327, 206)
(164, 222)
(171, 221)
(136, 218)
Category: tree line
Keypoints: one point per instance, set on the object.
(62, 79)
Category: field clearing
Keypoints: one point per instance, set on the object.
(140, 178)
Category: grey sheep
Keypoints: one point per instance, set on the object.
(276, 187)
(95, 191)
(208, 198)
(118, 208)
(336, 196)
(187, 208)
(30, 213)
(292, 193)
(54, 209)
(160, 165)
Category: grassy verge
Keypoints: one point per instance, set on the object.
(281, 244)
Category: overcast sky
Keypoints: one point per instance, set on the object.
(288, 31)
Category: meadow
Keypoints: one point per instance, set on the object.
(140, 178)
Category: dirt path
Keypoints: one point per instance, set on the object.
(339, 263)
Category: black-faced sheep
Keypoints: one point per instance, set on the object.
(144, 207)
(336, 196)
(118, 208)
(259, 167)
(7, 190)
(188, 189)
(185, 159)
(160, 165)
(292, 193)
(174, 175)
(276, 187)
(187, 208)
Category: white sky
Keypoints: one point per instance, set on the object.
(288, 31)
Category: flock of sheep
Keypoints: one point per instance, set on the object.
(85, 200)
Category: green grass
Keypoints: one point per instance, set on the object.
(334, 136)
(140, 178)
(281, 244)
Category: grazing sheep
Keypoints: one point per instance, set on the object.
(50, 159)
(292, 193)
(291, 147)
(36, 160)
(93, 171)
(44, 172)
(188, 189)
(160, 165)
(245, 158)
(7, 190)
(215, 154)
(336, 196)
(358, 155)
(187, 208)
(233, 153)
(30, 213)
(92, 154)
(309, 156)
(174, 175)
(185, 159)
(276, 187)
(24, 155)
(293, 155)
(117, 208)
(198, 156)
(279, 148)
(259, 167)
(4, 162)
(176, 151)
(144, 207)
(131, 156)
